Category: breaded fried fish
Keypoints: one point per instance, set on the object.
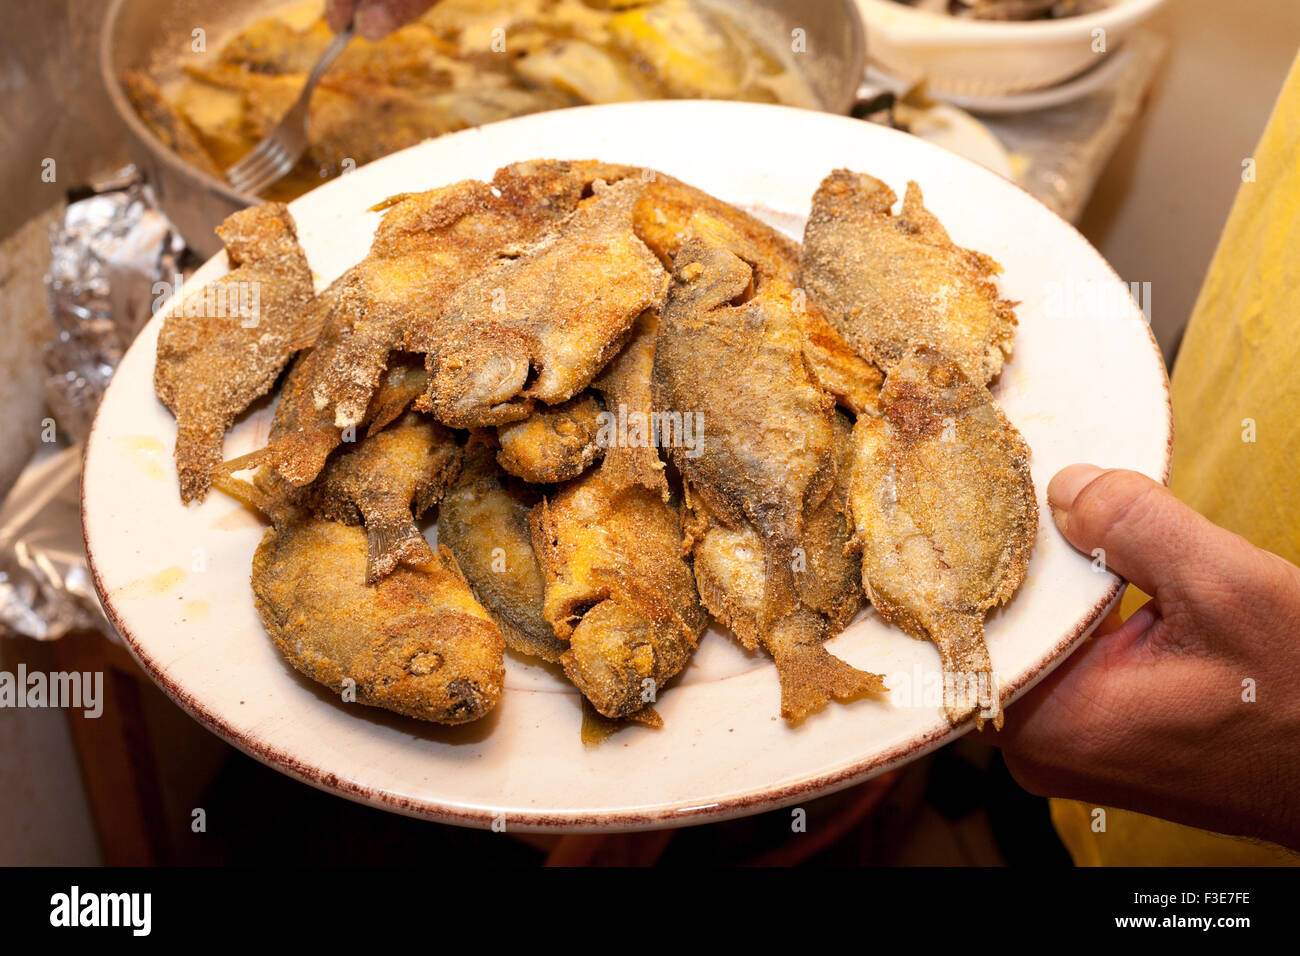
(417, 643)
(554, 443)
(303, 436)
(165, 122)
(732, 354)
(224, 346)
(944, 510)
(828, 571)
(671, 212)
(539, 327)
(729, 573)
(886, 282)
(484, 520)
(617, 589)
(627, 431)
(426, 246)
(386, 481)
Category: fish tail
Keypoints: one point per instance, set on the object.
(393, 539)
(299, 456)
(810, 675)
(780, 595)
(198, 452)
(969, 684)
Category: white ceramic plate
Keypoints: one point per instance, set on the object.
(1085, 384)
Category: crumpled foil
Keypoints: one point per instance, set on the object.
(106, 256)
(45, 587)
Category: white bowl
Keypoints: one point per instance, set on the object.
(991, 58)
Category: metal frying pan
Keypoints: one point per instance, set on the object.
(154, 34)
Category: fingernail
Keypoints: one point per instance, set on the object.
(1066, 485)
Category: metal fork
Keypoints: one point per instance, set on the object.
(281, 148)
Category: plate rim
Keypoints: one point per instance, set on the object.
(662, 815)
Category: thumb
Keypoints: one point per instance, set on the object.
(1144, 533)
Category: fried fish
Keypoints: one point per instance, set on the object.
(426, 246)
(539, 327)
(628, 434)
(732, 354)
(670, 212)
(484, 520)
(729, 571)
(554, 443)
(417, 643)
(617, 590)
(385, 482)
(886, 282)
(225, 345)
(943, 508)
(303, 435)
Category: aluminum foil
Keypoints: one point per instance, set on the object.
(107, 255)
(45, 587)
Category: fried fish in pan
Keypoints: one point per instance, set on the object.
(732, 354)
(886, 282)
(944, 510)
(417, 642)
(225, 345)
(539, 327)
(386, 481)
(617, 590)
(484, 520)
(554, 443)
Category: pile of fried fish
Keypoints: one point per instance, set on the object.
(524, 355)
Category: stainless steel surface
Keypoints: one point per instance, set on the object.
(56, 126)
(156, 33)
(276, 154)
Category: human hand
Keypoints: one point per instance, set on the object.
(373, 19)
(1189, 710)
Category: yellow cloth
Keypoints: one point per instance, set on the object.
(1237, 366)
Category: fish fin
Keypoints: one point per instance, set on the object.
(969, 684)
(248, 495)
(647, 716)
(810, 675)
(392, 542)
(597, 728)
(385, 414)
(307, 328)
(253, 459)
